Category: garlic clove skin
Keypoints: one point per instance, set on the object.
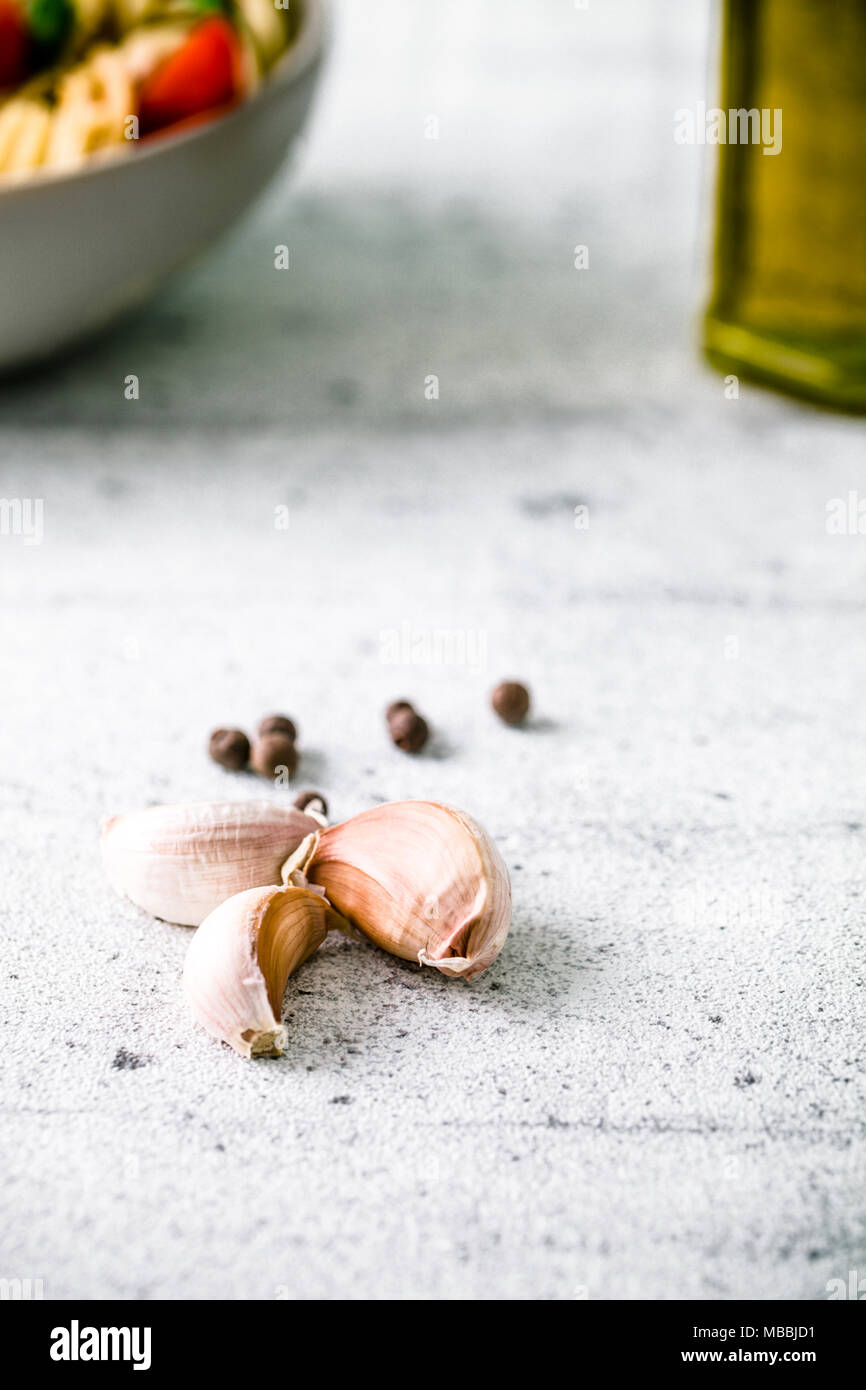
(422, 880)
(180, 862)
(240, 959)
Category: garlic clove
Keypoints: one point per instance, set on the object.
(422, 880)
(240, 959)
(180, 862)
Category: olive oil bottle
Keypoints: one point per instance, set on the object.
(789, 299)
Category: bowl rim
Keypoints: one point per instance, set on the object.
(303, 54)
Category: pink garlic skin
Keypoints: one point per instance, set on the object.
(420, 879)
(181, 862)
(240, 959)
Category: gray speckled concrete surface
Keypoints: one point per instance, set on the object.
(658, 1091)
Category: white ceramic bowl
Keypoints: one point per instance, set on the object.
(77, 250)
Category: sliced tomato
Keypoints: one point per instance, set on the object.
(14, 44)
(202, 75)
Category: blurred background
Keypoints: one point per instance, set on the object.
(457, 156)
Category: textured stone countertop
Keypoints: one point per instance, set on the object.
(658, 1091)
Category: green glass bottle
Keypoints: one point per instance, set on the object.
(789, 298)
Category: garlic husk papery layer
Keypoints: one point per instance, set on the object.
(180, 862)
(240, 959)
(420, 879)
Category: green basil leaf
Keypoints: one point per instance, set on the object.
(50, 21)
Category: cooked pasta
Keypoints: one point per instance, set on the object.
(81, 77)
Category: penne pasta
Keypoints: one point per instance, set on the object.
(111, 72)
(24, 133)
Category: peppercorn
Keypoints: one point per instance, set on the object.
(272, 752)
(510, 700)
(277, 724)
(395, 708)
(312, 801)
(230, 748)
(406, 726)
